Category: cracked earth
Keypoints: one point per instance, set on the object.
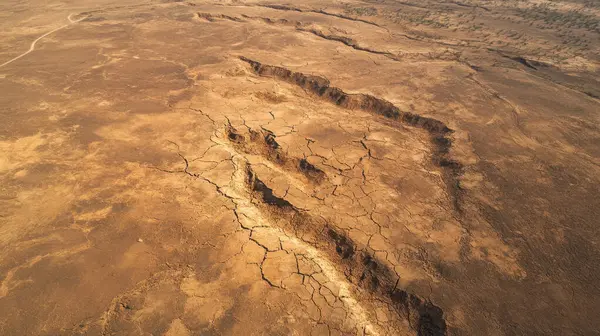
(228, 168)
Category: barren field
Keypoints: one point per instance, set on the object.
(371, 167)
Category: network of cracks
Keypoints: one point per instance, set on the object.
(323, 256)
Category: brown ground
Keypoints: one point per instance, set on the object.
(319, 168)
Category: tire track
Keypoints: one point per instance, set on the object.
(32, 46)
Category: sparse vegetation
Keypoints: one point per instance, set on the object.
(360, 11)
(548, 18)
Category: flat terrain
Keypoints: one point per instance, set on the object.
(311, 168)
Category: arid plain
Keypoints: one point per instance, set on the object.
(304, 168)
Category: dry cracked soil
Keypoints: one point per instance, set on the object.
(351, 167)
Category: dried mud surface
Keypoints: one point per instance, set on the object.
(306, 168)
